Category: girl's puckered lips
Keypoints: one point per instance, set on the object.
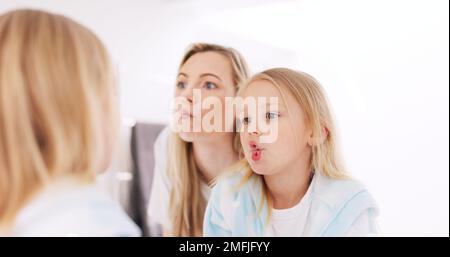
(256, 151)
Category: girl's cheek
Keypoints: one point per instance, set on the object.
(285, 133)
(244, 141)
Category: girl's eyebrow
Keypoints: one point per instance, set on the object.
(279, 104)
(182, 74)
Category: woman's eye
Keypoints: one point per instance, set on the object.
(181, 85)
(272, 115)
(210, 85)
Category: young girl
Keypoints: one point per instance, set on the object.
(57, 123)
(294, 185)
(187, 161)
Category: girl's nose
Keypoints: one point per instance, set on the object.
(254, 132)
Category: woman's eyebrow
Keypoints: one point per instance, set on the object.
(182, 74)
(210, 74)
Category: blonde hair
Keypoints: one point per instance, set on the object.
(56, 101)
(187, 205)
(310, 95)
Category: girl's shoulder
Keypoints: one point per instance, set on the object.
(336, 192)
(338, 203)
(237, 187)
(235, 194)
(235, 180)
(226, 185)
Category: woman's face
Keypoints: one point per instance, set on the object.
(292, 133)
(204, 79)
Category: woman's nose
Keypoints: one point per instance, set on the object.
(188, 94)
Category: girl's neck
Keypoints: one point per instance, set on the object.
(288, 186)
(214, 157)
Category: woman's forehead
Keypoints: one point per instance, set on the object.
(207, 62)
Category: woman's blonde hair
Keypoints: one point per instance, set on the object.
(187, 205)
(57, 110)
(310, 95)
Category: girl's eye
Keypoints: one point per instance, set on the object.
(245, 120)
(181, 85)
(210, 85)
(272, 115)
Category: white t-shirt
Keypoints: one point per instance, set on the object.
(293, 222)
(158, 207)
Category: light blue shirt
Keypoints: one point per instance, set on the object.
(335, 205)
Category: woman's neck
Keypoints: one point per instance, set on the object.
(214, 157)
(288, 186)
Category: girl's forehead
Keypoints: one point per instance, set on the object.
(266, 89)
(261, 88)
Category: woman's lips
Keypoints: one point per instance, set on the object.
(186, 115)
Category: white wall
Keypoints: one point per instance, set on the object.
(383, 63)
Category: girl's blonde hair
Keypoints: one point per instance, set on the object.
(57, 110)
(310, 95)
(187, 205)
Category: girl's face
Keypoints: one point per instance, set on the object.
(293, 138)
(209, 76)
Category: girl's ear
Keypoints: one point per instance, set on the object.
(311, 139)
(323, 136)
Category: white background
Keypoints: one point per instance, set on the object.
(383, 63)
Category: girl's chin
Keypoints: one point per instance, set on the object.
(259, 167)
